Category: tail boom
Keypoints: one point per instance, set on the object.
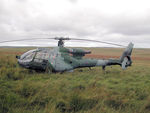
(124, 61)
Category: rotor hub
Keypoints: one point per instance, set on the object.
(61, 41)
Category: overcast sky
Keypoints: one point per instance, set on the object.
(118, 21)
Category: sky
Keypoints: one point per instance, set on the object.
(117, 21)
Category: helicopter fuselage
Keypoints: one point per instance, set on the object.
(60, 59)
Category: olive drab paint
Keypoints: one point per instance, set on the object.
(60, 59)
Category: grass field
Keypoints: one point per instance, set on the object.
(83, 91)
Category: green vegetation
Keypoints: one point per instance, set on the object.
(83, 91)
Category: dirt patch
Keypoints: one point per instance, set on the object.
(108, 56)
(9, 52)
(100, 56)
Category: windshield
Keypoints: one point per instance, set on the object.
(28, 55)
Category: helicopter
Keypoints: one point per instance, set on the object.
(61, 59)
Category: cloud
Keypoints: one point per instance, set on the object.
(73, 1)
(115, 22)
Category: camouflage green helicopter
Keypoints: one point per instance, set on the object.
(60, 59)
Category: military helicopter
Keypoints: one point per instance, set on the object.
(61, 59)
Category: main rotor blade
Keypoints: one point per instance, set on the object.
(63, 38)
(25, 39)
(110, 43)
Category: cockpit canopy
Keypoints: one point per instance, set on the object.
(34, 59)
(28, 55)
(37, 54)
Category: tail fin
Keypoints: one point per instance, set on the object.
(126, 56)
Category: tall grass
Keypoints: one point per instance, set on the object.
(86, 91)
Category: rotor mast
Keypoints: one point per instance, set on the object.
(61, 41)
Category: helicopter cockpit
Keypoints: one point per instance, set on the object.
(28, 55)
(33, 57)
(26, 58)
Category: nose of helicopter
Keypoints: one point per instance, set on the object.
(22, 63)
(18, 57)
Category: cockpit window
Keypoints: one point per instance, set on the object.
(41, 55)
(28, 55)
